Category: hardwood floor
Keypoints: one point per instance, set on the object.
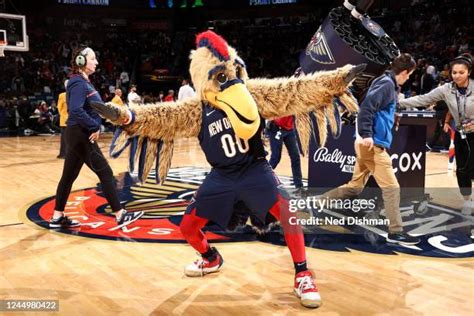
(94, 276)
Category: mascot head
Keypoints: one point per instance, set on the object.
(219, 76)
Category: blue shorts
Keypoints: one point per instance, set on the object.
(257, 188)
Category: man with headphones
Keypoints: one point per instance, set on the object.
(82, 133)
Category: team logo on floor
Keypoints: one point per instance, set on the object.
(164, 206)
(444, 232)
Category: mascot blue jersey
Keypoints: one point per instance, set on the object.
(224, 151)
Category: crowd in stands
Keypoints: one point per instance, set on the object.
(433, 31)
(29, 79)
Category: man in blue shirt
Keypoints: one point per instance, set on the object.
(374, 136)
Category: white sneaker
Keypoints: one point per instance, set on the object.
(125, 218)
(203, 266)
(467, 208)
(306, 290)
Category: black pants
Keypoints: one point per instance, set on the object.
(439, 133)
(464, 152)
(62, 146)
(289, 139)
(80, 150)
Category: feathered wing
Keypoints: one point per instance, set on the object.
(309, 97)
(164, 120)
(152, 133)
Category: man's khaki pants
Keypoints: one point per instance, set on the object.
(378, 163)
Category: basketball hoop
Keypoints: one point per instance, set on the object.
(3, 44)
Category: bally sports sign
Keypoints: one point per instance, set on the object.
(333, 165)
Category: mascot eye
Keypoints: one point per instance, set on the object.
(221, 78)
(239, 72)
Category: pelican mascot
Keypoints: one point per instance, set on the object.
(227, 116)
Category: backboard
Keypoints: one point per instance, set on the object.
(3, 42)
(15, 32)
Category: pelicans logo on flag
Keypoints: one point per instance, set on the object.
(318, 49)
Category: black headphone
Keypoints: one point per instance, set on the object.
(81, 59)
(463, 58)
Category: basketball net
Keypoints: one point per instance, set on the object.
(3, 44)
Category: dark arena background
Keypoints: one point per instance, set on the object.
(143, 50)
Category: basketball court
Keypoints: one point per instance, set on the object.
(100, 268)
(108, 273)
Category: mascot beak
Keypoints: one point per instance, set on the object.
(240, 107)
